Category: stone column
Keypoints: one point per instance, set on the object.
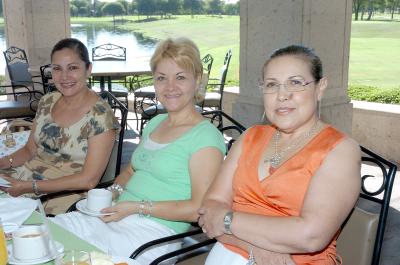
(35, 26)
(319, 24)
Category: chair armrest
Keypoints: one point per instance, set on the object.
(164, 240)
(184, 250)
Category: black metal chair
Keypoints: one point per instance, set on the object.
(24, 107)
(113, 167)
(213, 99)
(19, 71)
(359, 243)
(47, 79)
(111, 52)
(207, 61)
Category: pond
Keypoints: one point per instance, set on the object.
(137, 46)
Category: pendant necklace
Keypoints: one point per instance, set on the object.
(276, 159)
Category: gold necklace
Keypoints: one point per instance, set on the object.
(276, 158)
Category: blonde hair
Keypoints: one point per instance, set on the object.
(182, 51)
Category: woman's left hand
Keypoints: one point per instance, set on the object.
(211, 219)
(119, 211)
(17, 187)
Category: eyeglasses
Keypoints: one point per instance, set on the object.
(291, 85)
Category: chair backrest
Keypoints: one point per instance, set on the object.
(47, 79)
(360, 241)
(19, 74)
(18, 66)
(15, 54)
(232, 128)
(221, 84)
(207, 63)
(114, 163)
(109, 52)
(355, 244)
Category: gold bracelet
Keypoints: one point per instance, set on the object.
(11, 160)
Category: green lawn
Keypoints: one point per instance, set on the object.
(375, 54)
(374, 48)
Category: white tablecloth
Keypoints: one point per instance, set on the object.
(20, 139)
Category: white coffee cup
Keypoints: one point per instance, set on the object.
(98, 199)
(30, 242)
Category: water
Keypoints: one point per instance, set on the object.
(94, 34)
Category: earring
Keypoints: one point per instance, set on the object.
(263, 117)
(319, 108)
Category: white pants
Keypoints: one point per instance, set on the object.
(220, 255)
(119, 238)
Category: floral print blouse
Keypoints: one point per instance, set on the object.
(61, 151)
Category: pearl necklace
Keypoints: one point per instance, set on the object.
(276, 158)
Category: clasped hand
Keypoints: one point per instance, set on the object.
(211, 219)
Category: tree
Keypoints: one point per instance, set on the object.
(125, 4)
(162, 7)
(174, 6)
(232, 9)
(83, 11)
(99, 7)
(82, 7)
(358, 6)
(114, 9)
(193, 6)
(215, 7)
(132, 8)
(146, 7)
(73, 10)
(393, 6)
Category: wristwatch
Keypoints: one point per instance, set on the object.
(227, 222)
(35, 188)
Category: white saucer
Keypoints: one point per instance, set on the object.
(12, 260)
(81, 206)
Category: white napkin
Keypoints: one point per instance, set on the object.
(14, 211)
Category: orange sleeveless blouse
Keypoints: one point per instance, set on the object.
(282, 193)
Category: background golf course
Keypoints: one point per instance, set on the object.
(374, 48)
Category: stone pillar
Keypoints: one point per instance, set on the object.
(321, 25)
(35, 26)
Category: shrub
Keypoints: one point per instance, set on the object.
(374, 94)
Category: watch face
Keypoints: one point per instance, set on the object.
(227, 222)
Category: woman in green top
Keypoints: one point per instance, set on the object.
(179, 154)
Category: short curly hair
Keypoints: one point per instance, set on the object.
(182, 51)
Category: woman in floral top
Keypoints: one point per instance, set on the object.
(72, 135)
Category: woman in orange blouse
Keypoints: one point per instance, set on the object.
(284, 189)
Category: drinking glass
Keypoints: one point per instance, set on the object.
(76, 257)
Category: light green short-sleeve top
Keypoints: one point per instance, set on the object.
(162, 173)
